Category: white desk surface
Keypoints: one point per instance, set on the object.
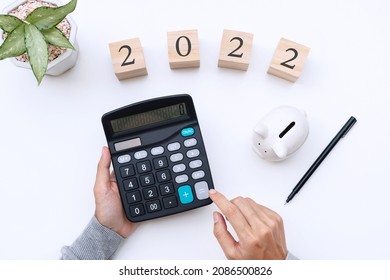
(51, 136)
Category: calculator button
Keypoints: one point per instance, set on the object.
(153, 206)
(185, 194)
(140, 154)
(179, 168)
(198, 175)
(196, 164)
(161, 162)
(193, 153)
(130, 184)
(190, 142)
(170, 202)
(124, 159)
(167, 189)
(173, 146)
(202, 190)
(137, 210)
(133, 197)
(146, 180)
(144, 166)
(157, 150)
(150, 193)
(127, 171)
(181, 179)
(176, 157)
(186, 132)
(163, 176)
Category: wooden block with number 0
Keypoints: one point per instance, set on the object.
(236, 49)
(183, 49)
(128, 59)
(288, 60)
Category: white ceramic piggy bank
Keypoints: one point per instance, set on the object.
(280, 133)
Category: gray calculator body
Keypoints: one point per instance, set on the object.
(158, 156)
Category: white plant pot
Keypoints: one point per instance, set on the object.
(63, 62)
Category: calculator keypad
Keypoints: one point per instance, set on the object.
(167, 178)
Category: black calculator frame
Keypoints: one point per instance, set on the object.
(155, 135)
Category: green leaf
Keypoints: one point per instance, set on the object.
(14, 44)
(8, 23)
(48, 17)
(55, 37)
(37, 51)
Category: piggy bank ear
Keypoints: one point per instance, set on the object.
(261, 130)
(280, 150)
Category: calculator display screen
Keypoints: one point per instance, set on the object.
(149, 117)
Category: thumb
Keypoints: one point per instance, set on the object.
(224, 237)
(103, 169)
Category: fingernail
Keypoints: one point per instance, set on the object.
(212, 191)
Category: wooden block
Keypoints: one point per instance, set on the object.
(128, 59)
(288, 60)
(183, 49)
(236, 49)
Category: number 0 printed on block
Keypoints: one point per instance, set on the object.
(183, 49)
(128, 59)
(288, 60)
(236, 48)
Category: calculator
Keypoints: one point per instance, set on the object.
(159, 157)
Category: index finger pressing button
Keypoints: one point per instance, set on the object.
(231, 211)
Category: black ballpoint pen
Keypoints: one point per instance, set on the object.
(344, 130)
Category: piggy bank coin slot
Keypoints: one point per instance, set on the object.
(287, 129)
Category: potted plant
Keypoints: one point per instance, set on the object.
(34, 40)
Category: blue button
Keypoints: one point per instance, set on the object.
(185, 194)
(188, 131)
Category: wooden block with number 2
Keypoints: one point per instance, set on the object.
(288, 60)
(236, 48)
(128, 59)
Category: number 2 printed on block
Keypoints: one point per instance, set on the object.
(126, 62)
(288, 60)
(128, 59)
(236, 48)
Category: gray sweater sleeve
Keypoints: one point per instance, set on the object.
(96, 242)
(291, 256)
